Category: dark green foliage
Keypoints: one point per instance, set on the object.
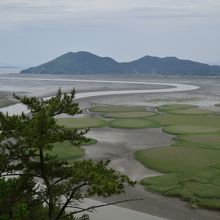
(25, 144)
(17, 200)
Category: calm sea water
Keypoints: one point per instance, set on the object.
(9, 70)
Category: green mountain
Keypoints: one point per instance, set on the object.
(88, 63)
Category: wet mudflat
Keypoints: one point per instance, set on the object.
(120, 144)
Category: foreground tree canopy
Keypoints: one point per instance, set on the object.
(35, 185)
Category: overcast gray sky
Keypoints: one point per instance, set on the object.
(35, 31)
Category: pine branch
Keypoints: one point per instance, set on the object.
(69, 200)
(92, 208)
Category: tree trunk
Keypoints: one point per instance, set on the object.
(51, 213)
(51, 209)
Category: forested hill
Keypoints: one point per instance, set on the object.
(88, 63)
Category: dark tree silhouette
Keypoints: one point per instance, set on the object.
(25, 145)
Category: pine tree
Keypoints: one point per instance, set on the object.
(25, 145)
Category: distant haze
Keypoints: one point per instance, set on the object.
(35, 31)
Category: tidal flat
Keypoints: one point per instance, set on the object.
(120, 145)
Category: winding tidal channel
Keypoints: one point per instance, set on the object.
(174, 87)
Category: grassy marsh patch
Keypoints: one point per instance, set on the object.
(66, 151)
(117, 108)
(133, 123)
(189, 129)
(192, 111)
(192, 164)
(178, 159)
(128, 114)
(81, 122)
(194, 189)
(206, 140)
(174, 107)
(201, 121)
(192, 174)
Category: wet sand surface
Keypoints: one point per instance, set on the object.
(115, 213)
(119, 145)
(165, 207)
